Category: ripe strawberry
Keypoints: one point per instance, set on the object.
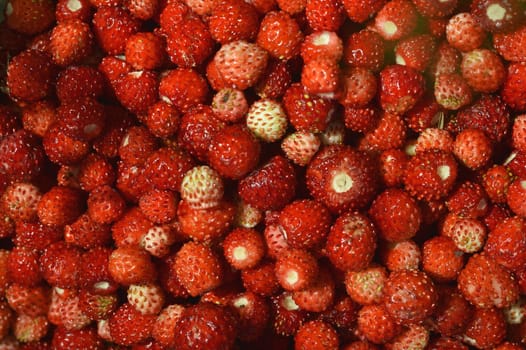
(267, 120)
(96, 306)
(487, 328)
(215, 325)
(396, 214)
(287, 317)
(95, 171)
(483, 70)
(159, 206)
(240, 63)
(270, 187)
(434, 138)
(366, 286)
(35, 236)
(316, 335)
(396, 19)
(145, 51)
(233, 20)
(360, 12)
(261, 279)
(162, 119)
(71, 42)
(506, 245)
(359, 87)
(495, 214)
(275, 80)
(112, 26)
(132, 182)
(464, 33)
(321, 77)
(435, 8)
(413, 337)
(513, 92)
(318, 296)
(519, 133)
(244, 248)
(376, 325)
(137, 91)
(198, 268)
(473, 148)
(453, 312)
(341, 178)
(508, 346)
(79, 82)
(229, 105)
(365, 49)
(29, 17)
(416, 51)
(404, 255)
(509, 45)
(360, 345)
(128, 326)
(107, 144)
(19, 201)
(6, 319)
(300, 147)
(395, 97)
(516, 196)
(184, 88)
(351, 242)
(105, 205)
(296, 269)
(31, 301)
(516, 164)
(468, 234)
(497, 16)
(280, 35)
(306, 112)
(81, 120)
(389, 132)
(446, 344)
(30, 76)
(85, 338)
(363, 120)
(452, 91)
(86, 233)
(392, 166)
(254, 314)
(60, 264)
(164, 327)
(441, 259)
(468, 200)
(65, 311)
(324, 14)
(114, 67)
(484, 283)
(137, 145)
(60, 206)
(68, 9)
(206, 225)
(23, 267)
(446, 60)
(129, 265)
(322, 45)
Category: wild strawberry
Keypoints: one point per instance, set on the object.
(497, 16)
(359, 87)
(240, 63)
(473, 148)
(184, 88)
(148, 299)
(388, 133)
(341, 178)
(79, 82)
(137, 145)
(306, 112)
(362, 120)
(137, 91)
(270, 187)
(215, 324)
(468, 200)
(464, 33)
(247, 216)
(96, 306)
(202, 187)
(509, 45)
(165, 168)
(334, 133)
(159, 206)
(128, 326)
(376, 325)
(324, 45)
(446, 344)
(280, 35)
(360, 12)
(205, 225)
(85, 338)
(267, 120)
(484, 283)
(506, 245)
(483, 70)
(446, 60)
(414, 336)
(233, 20)
(107, 144)
(416, 52)
(244, 248)
(67, 176)
(324, 14)
(519, 133)
(434, 138)
(144, 51)
(95, 171)
(318, 296)
(515, 197)
(261, 279)
(397, 98)
(404, 255)
(35, 235)
(366, 286)
(81, 120)
(453, 312)
(105, 205)
(396, 214)
(31, 301)
(229, 105)
(365, 49)
(164, 328)
(435, 8)
(71, 41)
(23, 267)
(196, 130)
(6, 318)
(234, 152)
(513, 93)
(392, 166)
(30, 76)
(158, 240)
(321, 77)
(30, 329)
(29, 17)
(441, 258)
(351, 242)
(516, 164)
(316, 335)
(275, 80)
(112, 25)
(162, 119)
(73, 9)
(287, 317)
(468, 234)
(508, 346)
(129, 229)
(129, 265)
(452, 91)
(495, 214)
(60, 206)
(300, 147)
(20, 200)
(254, 314)
(360, 345)
(396, 19)
(60, 264)
(486, 329)
(114, 67)
(65, 311)
(86, 233)
(296, 269)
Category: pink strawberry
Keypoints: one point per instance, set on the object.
(483, 70)
(464, 33)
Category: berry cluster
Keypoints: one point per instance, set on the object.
(263, 174)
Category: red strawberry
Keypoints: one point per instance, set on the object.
(254, 314)
(446, 60)
(71, 41)
(510, 45)
(506, 245)
(29, 17)
(165, 168)
(184, 88)
(30, 76)
(414, 336)
(6, 319)
(23, 267)
(351, 242)
(107, 144)
(65, 311)
(468, 234)
(148, 299)
(19, 201)
(404, 255)
(275, 80)
(114, 67)
(319, 296)
(398, 98)
(468, 200)
(78, 9)
(389, 132)
(324, 14)
(287, 317)
(137, 145)
(95, 171)
(244, 248)
(486, 329)
(162, 119)
(516, 164)
(516, 197)
(483, 70)
(464, 33)
(105, 205)
(261, 279)
(82, 339)
(128, 265)
(280, 35)
(233, 20)
(31, 301)
(164, 328)
(316, 335)
(484, 283)
(376, 325)
(396, 215)
(434, 138)
(296, 269)
(513, 92)
(441, 259)
(341, 178)
(453, 312)
(366, 286)
(321, 77)
(359, 87)
(324, 45)
(60, 206)
(202, 187)
(81, 120)
(425, 114)
(452, 91)
(159, 206)
(519, 133)
(206, 225)
(267, 120)
(306, 112)
(137, 91)
(35, 235)
(446, 344)
(396, 19)
(416, 52)
(95, 306)
(362, 120)
(60, 265)
(198, 268)
(79, 82)
(365, 49)
(270, 187)
(128, 326)
(145, 51)
(473, 148)
(497, 16)
(130, 228)
(392, 166)
(362, 11)
(360, 345)
(205, 326)
(112, 25)
(435, 8)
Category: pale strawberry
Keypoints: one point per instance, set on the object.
(148, 299)
(296, 269)
(366, 286)
(158, 240)
(20, 200)
(202, 187)
(300, 147)
(267, 120)
(230, 105)
(483, 70)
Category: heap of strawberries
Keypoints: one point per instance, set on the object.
(263, 174)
